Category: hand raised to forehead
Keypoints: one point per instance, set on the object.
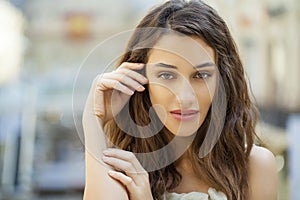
(124, 80)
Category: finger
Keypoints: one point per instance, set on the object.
(98, 101)
(103, 85)
(114, 84)
(125, 156)
(99, 108)
(120, 165)
(130, 65)
(125, 80)
(125, 180)
(134, 75)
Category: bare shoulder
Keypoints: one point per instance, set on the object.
(262, 157)
(263, 174)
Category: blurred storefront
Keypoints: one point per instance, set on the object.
(268, 37)
(40, 150)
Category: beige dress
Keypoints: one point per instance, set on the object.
(212, 194)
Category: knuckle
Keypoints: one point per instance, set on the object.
(122, 70)
(115, 83)
(123, 77)
(129, 181)
(100, 79)
(99, 86)
(131, 156)
(123, 64)
(128, 167)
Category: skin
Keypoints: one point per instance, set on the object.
(263, 174)
(182, 87)
(117, 174)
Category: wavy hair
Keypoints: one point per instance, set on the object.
(225, 167)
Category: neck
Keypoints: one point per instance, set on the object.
(183, 164)
(191, 181)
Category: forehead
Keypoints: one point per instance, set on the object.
(190, 49)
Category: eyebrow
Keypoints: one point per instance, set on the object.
(206, 64)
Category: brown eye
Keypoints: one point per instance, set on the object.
(202, 75)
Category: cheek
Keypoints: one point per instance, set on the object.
(208, 89)
(160, 98)
(159, 94)
(205, 95)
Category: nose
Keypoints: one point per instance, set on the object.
(186, 95)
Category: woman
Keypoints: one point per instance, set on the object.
(179, 82)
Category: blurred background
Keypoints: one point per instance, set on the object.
(43, 43)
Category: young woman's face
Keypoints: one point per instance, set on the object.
(182, 80)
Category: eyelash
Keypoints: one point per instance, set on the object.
(163, 74)
(202, 74)
(207, 75)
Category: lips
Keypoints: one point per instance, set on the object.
(184, 115)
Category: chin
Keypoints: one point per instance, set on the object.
(183, 132)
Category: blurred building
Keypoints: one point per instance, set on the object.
(41, 149)
(267, 33)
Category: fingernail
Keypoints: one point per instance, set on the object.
(140, 88)
(111, 172)
(104, 158)
(107, 151)
(145, 80)
(130, 92)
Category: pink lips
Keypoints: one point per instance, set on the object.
(184, 115)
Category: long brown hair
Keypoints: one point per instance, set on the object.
(226, 165)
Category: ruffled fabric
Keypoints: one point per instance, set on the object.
(212, 194)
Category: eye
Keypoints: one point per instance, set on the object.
(202, 75)
(166, 76)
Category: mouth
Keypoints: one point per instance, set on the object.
(184, 115)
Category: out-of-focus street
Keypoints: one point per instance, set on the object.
(43, 84)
